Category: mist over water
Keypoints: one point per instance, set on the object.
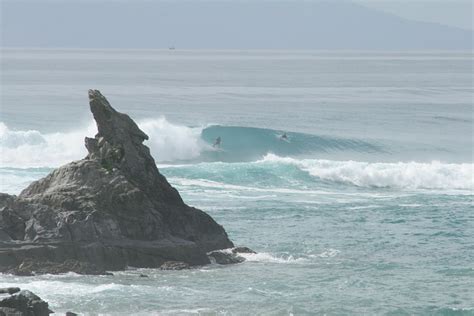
(365, 209)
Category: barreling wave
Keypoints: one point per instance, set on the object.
(172, 143)
(251, 143)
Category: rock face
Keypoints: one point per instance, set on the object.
(110, 210)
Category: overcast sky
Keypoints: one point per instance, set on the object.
(458, 13)
(298, 24)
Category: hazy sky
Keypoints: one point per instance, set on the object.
(246, 24)
(457, 13)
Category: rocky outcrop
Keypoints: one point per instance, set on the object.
(174, 265)
(222, 257)
(22, 303)
(237, 250)
(110, 210)
(31, 267)
(229, 256)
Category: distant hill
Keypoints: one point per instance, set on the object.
(219, 25)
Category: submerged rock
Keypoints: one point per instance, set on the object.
(24, 303)
(110, 210)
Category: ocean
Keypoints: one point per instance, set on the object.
(366, 209)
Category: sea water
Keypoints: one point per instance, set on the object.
(367, 208)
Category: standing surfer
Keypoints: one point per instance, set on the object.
(217, 142)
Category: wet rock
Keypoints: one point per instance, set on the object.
(242, 250)
(9, 290)
(24, 303)
(108, 211)
(224, 257)
(174, 265)
(31, 267)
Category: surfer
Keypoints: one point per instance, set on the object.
(217, 142)
(284, 137)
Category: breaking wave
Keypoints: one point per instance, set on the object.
(248, 155)
(32, 149)
(403, 175)
(171, 143)
(28, 149)
(275, 174)
(270, 258)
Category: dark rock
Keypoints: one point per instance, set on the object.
(110, 210)
(7, 311)
(24, 303)
(9, 290)
(71, 314)
(242, 250)
(224, 257)
(143, 275)
(174, 265)
(31, 267)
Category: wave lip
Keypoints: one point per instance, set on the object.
(400, 175)
(170, 142)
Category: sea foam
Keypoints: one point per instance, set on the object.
(402, 175)
(32, 149)
(270, 258)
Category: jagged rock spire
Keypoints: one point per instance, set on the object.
(119, 145)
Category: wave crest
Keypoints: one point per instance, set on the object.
(29, 149)
(169, 142)
(32, 149)
(402, 175)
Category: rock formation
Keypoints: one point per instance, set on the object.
(110, 210)
(23, 303)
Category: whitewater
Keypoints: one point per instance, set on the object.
(366, 208)
(192, 147)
